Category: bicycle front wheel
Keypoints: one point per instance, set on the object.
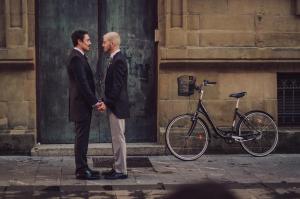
(260, 133)
(187, 139)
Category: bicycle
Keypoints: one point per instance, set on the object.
(187, 135)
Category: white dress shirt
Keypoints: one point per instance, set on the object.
(79, 50)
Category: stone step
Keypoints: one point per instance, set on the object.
(289, 142)
(98, 149)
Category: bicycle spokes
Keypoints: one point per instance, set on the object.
(200, 136)
(259, 132)
(187, 141)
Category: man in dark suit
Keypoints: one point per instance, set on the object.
(82, 99)
(117, 103)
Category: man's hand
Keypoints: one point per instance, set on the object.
(101, 106)
(97, 105)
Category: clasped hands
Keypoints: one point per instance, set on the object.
(100, 106)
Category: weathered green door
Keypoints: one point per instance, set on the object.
(135, 21)
(57, 19)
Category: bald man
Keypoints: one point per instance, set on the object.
(117, 103)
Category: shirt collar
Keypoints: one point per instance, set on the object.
(79, 50)
(114, 53)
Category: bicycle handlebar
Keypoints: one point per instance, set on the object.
(204, 83)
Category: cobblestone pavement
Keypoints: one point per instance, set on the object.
(274, 176)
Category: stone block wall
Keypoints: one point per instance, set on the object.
(17, 100)
(17, 73)
(259, 87)
(228, 29)
(241, 44)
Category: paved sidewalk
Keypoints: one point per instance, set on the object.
(274, 176)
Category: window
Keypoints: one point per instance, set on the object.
(288, 94)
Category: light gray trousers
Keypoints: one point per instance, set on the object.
(117, 130)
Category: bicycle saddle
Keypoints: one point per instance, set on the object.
(238, 95)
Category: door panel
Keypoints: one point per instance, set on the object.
(56, 21)
(135, 21)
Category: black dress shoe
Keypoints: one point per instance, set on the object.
(94, 172)
(116, 176)
(86, 175)
(110, 172)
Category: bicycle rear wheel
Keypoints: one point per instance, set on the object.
(260, 132)
(180, 143)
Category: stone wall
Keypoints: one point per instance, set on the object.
(228, 29)
(17, 74)
(241, 44)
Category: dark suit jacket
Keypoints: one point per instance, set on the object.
(81, 87)
(116, 95)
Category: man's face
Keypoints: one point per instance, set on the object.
(85, 43)
(107, 45)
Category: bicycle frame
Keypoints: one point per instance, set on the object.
(202, 110)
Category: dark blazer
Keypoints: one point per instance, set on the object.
(116, 95)
(81, 87)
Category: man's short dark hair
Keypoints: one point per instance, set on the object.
(78, 34)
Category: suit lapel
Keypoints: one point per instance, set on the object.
(110, 66)
(84, 58)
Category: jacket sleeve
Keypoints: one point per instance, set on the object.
(119, 78)
(82, 82)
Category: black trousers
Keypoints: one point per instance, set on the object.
(82, 130)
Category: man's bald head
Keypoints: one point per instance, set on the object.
(113, 37)
(111, 42)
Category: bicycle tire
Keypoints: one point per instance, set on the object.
(266, 139)
(177, 139)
